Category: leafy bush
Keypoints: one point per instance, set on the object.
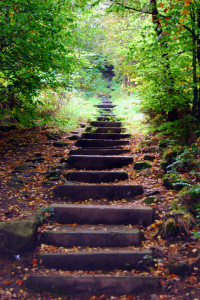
(190, 195)
(197, 211)
(164, 143)
(179, 129)
(174, 181)
(184, 161)
(169, 157)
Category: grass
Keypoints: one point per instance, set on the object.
(69, 109)
(128, 109)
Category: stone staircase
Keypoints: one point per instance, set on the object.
(104, 236)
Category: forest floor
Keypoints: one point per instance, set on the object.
(19, 145)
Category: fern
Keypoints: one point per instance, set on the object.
(181, 183)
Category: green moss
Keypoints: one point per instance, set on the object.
(18, 236)
(150, 200)
(141, 165)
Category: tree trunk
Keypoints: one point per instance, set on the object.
(194, 67)
(198, 57)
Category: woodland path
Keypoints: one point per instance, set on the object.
(103, 240)
(105, 237)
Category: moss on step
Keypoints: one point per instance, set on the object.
(141, 165)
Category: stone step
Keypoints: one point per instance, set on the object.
(106, 124)
(105, 129)
(105, 114)
(69, 236)
(86, 286)
(95, 260)
(100, 143)
(98, 151)
(98, 162)
(105, 105)
(111, 118)
(77, 192)
(106, 109)
(96, 176)
(102, 136)
(102, 214)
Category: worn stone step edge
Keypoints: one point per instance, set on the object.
(100, 143)
(99, 151)
(95, 260)
(93, 285)
(80, 192)
(106, 105)
(98, 162)
(102, 136)
(106, 118)
(96, 176)
(101, 214)
(106, 124)
(92, 236)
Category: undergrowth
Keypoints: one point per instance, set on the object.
(69, 109)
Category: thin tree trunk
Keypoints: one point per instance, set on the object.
(198, 56)
(194, 66)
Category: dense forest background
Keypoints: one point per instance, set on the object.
(56, 51)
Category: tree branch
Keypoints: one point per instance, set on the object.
(149, 13)
(131, 8)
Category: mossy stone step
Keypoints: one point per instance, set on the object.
(105, 129)
(110, 136)
(94, 260)
(78, 286)
(98, 162)
(106, 124)
(98, 151)
(100, 143)
(77, 192)
(96, 176)
(91, 236)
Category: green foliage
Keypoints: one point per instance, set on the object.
(68, 109)
(193, 192)
(164, 143)
(128, 110)
(169, 157)
(44, 214)
(197, 211)
(156, 54)
(184, 160)
(179, 129)
(174, 181)
(34, 47)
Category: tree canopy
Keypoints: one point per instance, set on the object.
(153, 45)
